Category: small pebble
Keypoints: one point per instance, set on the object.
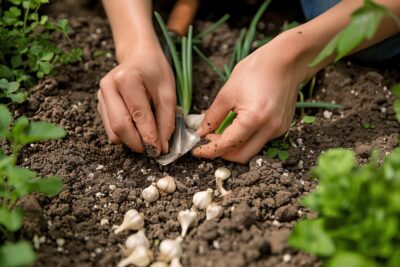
(286, 258)
(327, 114)
(99, 167)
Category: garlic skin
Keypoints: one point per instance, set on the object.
(193, 121)
(222, 174)
(186, 218)
(167, 184)
(159, 264)
(132, 220)
(214, 211)
(137, 240)
(170, 249)
(150, 193)
(140, 257)
(202, 199)
(175, 263)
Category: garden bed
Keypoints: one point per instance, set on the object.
(103, 181)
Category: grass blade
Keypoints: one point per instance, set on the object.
(227, 121)
(189, 65)
(184, 89)
(324, 105)
(213, 27)
(210, 63)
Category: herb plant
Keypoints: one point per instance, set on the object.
(17, 182)
(27, 52)
(278, 149)
(358, 212)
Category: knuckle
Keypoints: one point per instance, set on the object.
(103, 83)
(138, 115)
(119, 126)
(120, 76)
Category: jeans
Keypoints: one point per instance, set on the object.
(380, 52)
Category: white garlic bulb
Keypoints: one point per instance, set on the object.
(186, 218)
(222, 174)
(167, 184)
(137, 240)
(159, 264)
(133, 220)
(151, 193)
(175, 263)
(202, 199)
(214, 211)
(193, 121)
(170, 248)
(139, 257)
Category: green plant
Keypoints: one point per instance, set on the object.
(308, 119)
(364, 23)
(278, 149)
(16, 182)
(182, 64)
(358, 210)
(396, 104)
(27, 52)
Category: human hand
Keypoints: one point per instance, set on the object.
(262, 90)
(142, 83)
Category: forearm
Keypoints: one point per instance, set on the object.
(305, 42)
(131, 25)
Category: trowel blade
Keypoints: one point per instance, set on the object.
(183, 140)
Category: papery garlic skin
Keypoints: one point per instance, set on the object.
(186, 218)
(222, 173)
(170, 248)
(193, 121)
(140, 257)
(202, 199)
(159, 264)
(150, 193)
(214, 211)
(175, 263)
(167, 184)
(137, 240)
(133, 220)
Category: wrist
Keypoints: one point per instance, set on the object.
(127, 51)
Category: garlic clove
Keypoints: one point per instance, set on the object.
(187, 218)
(159, 264)
(151, 193)
(222, 173)
(193, 121)
(214, 211)
(139, 257)
(175, 263)
(167, 184)
(137, 240)
(133, 220)
(202, 199)
(170, 248)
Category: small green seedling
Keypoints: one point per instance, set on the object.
(27, 52)
(17, 182)
(308, 119)
(368, 125)
(182, 64)
(278, 149)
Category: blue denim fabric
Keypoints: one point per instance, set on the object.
(385, 50)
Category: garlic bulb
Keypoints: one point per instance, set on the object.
(139, 257)
(167, 184)
(170, 248)
(159, 264)
(151, 193)
(214, 211)
(132, 220)
(193, 121)
(202, 199)
(175, 263)
(137, 240)
(187, 218)
(222, 174)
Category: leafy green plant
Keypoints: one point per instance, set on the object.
(363, 26)
(308, 119)
(17, 182)
(278, 149)
(182, 64)
(358, 210)
(27, 52)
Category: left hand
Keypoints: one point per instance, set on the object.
(262, 90)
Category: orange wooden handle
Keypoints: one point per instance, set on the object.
(182, 16)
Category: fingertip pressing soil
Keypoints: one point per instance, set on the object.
(103, 181)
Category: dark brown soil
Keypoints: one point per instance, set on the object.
(103, 181)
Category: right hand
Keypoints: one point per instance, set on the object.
(128, 95)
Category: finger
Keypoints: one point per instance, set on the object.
(217, 112)
(242, 127)
(133, 93)
(104, 118)
(165, 117)
(120, 119)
